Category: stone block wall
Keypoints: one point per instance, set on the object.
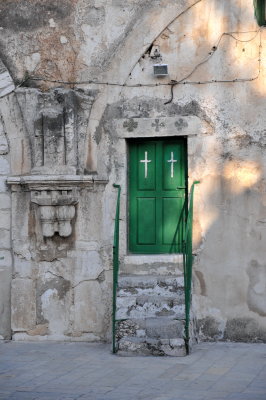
(81, 93)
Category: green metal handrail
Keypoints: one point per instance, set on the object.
(115, 264)
(187, 262)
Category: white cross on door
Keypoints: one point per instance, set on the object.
(172, 161)
(146, 161)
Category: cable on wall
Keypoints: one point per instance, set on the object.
(172, 84)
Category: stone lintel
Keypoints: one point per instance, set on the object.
(162, 126)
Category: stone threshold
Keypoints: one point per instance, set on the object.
(153, 258)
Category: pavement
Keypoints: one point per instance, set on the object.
(86, 371)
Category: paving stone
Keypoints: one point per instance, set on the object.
(246, 396)
(70, 371)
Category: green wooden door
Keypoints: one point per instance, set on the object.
(157, 195)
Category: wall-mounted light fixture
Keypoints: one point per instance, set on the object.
(160, 70)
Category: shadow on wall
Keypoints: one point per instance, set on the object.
(230, 271)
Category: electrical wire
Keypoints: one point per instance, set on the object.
(183, 81)
(211, 53)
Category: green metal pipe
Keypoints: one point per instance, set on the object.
(115, 265)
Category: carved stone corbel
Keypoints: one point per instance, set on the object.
(57, 210)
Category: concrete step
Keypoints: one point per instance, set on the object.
(158, 347)
(135, 284)
(150, 306)
(157, 264)
(153, 328)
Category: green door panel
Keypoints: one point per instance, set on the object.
(157, 195)
(169, 207)
(172, 170)
(146, 221)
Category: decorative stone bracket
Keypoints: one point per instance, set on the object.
(57, 209)
(56, 197)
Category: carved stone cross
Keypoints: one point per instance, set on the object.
(130, 125)
(157, 125)
(180, 124)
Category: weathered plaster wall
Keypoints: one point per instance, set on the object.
(5, 234)
(66, 282)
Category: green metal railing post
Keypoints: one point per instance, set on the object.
(187, 262)
(115, 265)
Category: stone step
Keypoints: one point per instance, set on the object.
(158, 347)
(150, 296)
(145, 306)
(154, 328)
(149, 284)
(157, 264)
(150, 315)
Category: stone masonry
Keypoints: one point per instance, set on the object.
(76, 88)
